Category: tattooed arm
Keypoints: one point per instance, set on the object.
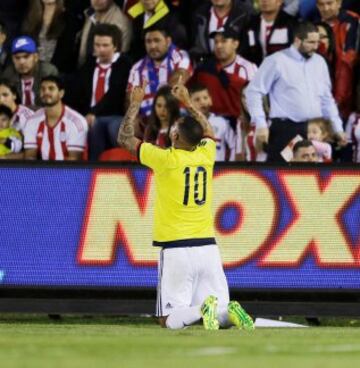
(126, 136)
(182, 94)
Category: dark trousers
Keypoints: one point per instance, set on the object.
(103, 135)
(281, 132)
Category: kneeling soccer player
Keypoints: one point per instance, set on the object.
(192, 284)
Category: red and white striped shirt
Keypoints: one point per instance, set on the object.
(241, 68)
(54, 143)
(27, 92)
(21, 115)
(225, 137)
(353, 134)
(179, 59)
(246, 144)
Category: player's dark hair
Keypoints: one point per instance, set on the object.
(12, 87)
(4, 110)
(302, 30)
(197, 87)
(55, 79)
(109, 30)
(301, 144)
(191, 130)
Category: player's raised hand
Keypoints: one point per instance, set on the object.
(181, 93)
(138, 93)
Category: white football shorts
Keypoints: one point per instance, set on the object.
(187, 276)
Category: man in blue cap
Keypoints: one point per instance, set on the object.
(26, 71)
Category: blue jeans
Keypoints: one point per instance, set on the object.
(103, 135)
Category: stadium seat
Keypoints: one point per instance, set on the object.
(117, 154)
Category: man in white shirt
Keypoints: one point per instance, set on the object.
(298, 84)
(55, 132)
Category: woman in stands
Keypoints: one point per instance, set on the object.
(165, 111)
(55, 31)
(10, 98)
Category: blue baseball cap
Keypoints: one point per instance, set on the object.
(23, 44)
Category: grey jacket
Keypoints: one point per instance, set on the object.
(43, 69)
(113, 16)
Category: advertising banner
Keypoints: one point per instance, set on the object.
(82, 226)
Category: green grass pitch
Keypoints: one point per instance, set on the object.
(36, 341)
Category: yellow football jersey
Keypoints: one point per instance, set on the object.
(183, 200)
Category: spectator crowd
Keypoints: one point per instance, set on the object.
(278, 80)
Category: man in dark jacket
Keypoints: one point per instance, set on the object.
(214, 15)
(146, 14)
(269, 31)
(100, 89)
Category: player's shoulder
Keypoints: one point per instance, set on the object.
(153, 156)
(206, 151)
(207, 143)
(207, 139)
(73, 117)
(147, 148)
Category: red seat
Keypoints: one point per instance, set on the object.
(117, 154)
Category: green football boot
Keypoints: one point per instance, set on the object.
(209, 313)
(239, 318)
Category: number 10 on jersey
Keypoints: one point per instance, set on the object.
(197, 180)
